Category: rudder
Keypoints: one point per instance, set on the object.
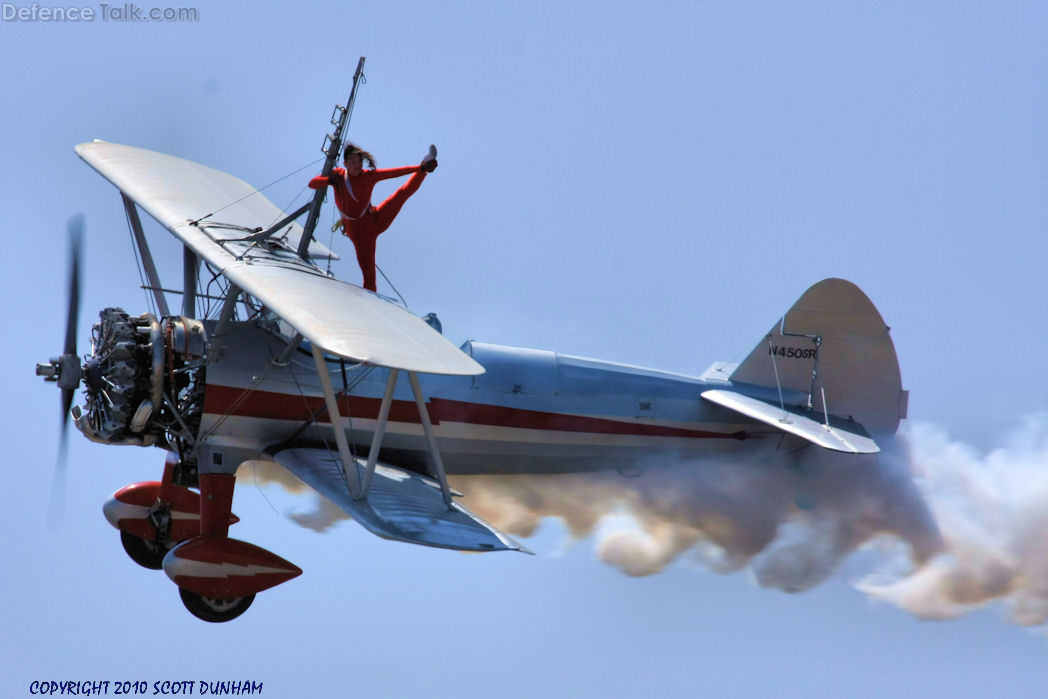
(833, 339)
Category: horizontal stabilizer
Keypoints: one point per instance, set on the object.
(798, 424)
(400, 505)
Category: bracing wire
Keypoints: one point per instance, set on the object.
(258, 486)
(327, 445)
(259, 190)
(289, 207)
(216, 276)
(331, 242)
(347, 388)
(140, 265)
(391, 286)
(778, 383)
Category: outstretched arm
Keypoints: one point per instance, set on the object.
(324, 180)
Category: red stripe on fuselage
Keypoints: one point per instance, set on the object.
(237, 402)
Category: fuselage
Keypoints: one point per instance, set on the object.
(532, 411)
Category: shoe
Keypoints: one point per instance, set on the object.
(429, 163)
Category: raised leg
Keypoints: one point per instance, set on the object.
(388, 210)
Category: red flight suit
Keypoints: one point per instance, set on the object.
(361, 221)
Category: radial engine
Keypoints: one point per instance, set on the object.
(144, 380)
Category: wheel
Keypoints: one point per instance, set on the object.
(145, 553)
(215, 610)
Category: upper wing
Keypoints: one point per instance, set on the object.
(852, 440)
(401, 505)
(175, 191)
(212, 212)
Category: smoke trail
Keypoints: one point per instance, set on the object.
(951, 530)
(792, 521)
(993, 513)
(323, 515)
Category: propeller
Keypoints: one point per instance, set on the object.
(65, 370)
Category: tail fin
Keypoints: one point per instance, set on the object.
(833, 342)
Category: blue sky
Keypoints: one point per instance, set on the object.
(651, 183)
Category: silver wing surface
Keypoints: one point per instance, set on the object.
(175, 191)
(213, 213)
(401, 505)
(850, 439)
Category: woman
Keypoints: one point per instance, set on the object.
(361, 221)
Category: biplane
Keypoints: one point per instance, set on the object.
(372, 407)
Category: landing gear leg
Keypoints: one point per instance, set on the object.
(216, 501)
(218, 577)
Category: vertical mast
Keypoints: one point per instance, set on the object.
(332, 146)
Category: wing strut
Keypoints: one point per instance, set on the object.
(380, 431)
(348, 462)
(229, 305)
(147, 258)
(190, 269)
(357, 490)
(423, 413)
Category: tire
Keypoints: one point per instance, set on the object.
(145, 553)
(215, 610)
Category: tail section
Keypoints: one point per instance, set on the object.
(832, 342)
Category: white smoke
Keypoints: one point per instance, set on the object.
(947, 530)
(792, 520)
(993, 513)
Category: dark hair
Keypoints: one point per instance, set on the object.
(352, 149)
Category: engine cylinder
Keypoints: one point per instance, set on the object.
(144, 380)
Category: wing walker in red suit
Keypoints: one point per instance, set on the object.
(361, 221)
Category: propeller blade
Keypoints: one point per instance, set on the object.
(67, 402)
(76, 236)
(56, 507)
